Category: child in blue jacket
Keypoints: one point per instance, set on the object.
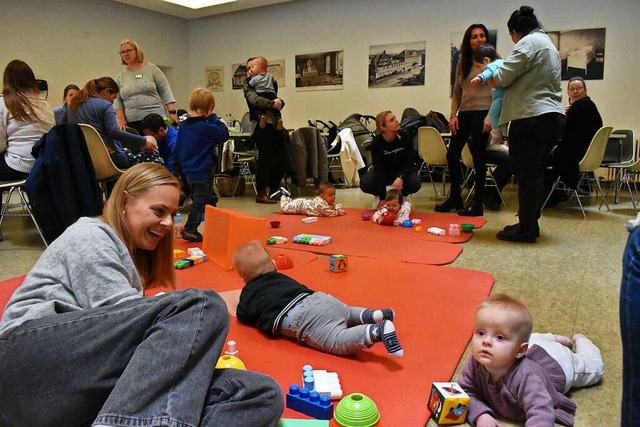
(195, 156)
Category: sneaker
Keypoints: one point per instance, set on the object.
(280, 192)
(192, 236)
(263, 122)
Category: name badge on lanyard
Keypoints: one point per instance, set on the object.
(137, 76)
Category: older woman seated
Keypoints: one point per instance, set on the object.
(583, 121)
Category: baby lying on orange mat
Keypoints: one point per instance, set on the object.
(394, 211)
(278, 305)
(324, 204)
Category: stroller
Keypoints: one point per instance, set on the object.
(361, 126)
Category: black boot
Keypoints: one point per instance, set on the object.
(453, 203)
(475, 209)
(522, 233)
(536, 228)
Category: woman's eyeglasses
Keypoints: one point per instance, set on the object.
(122, 52)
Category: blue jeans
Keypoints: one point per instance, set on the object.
(202, 194)
(630, 331)
(148, 361)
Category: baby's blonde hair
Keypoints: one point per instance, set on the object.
(522, 321)
(251, 260)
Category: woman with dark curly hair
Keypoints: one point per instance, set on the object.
(469, 118)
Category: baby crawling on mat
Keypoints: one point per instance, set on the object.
(394, 211)
(278, 305)
(324, 204)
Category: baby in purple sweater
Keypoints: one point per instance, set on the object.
(523, 376)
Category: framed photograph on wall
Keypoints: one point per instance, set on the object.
(214, 78)
(319, 71)
(456, 43)
(276, 68)
(238, 75)
(581, 52)
(397, 64)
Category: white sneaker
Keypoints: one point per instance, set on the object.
(376, 202)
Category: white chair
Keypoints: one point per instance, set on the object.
(9, 208)
(433, 152)
(587, 167)
(105, 169)
(467, 160)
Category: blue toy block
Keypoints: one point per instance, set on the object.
(310, 403)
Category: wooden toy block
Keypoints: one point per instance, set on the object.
(338, 263)
(448, 403)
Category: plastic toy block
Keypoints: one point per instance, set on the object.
(232, 348)
(225, 230)
(178, 254)
(198, 259)
(312, 239)
(436, 230)
(327, 383)
(182, 264)
(416, 221)
(448, 403)
(310, 403)
(309, 219)
(418, 228)
(277, 240)
(195, 251)
(338, 263)
(454, 229)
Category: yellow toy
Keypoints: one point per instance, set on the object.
(228, 361)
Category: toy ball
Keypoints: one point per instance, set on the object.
(366, 216)
(283, 262)
(356, 410)
(275, 224)
(388, 219)
(228, 361)
(467, 227)
(407, 223)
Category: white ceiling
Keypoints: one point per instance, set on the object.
(186, 13)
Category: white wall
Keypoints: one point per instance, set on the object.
(69, 41)
(281, 31)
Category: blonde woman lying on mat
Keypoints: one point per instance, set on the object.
(278, 305)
